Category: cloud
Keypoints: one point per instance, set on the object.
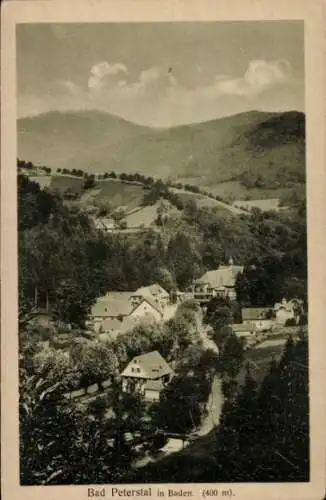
(153, 81)
(103, 73)
(157, 98)
(260, 76)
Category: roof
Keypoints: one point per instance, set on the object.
(223, 276)
(104, 223)
(152, 302)
(254, 313)
(155, 290)
(153, 365)
(112, 304)
(115, 304)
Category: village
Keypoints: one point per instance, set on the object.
(117, 313)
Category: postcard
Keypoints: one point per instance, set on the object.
(162, 259)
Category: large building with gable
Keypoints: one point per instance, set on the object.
(218, 282)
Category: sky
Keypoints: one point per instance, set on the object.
(161, 74)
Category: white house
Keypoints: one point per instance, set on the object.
(119, 306)
(288, 310)
(104, 223)
(148, 373)
(155, 292)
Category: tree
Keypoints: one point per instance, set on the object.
(220, 319)
(181, 331)
(182, 259)
(151, 196)
(182, 403)
(47, 430)
(219, 312)
(89, 181)
(294, 287)
(198, 360)
(191, 209)
(101, 444)
(162, 213)
(232, 355)
(264, 432)
(122, 224)
(163, 276)
(56, 367)
(95, 361)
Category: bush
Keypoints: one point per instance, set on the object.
(290, 322)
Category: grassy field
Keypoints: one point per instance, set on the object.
(43, 180)
(63, 182)
(119, 194)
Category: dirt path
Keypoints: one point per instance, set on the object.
(214, 407)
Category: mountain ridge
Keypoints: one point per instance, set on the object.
(246, 145)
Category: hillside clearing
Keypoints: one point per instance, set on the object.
(119, 194)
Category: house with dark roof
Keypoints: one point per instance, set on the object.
(218, 282)
(148, 373)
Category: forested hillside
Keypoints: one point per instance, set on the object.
(62, 255)
(263, 434)
(261, 151)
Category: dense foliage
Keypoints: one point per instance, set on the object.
(263, 434)
(65, 263)
(59, 249)
(99, 449)
(264, 431)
